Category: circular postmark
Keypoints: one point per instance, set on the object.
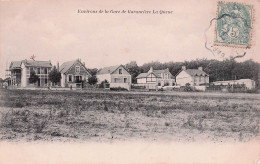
(231, 36)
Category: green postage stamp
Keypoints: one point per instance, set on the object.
(234, 24)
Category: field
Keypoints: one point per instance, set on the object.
(106, 116)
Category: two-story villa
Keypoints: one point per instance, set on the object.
(20, 72)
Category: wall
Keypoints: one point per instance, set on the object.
(23, 76)
(122, 85)
(63, 80)
(198, 81)
(182, 78)
(141, 81)
(120, 78)
(103, 77)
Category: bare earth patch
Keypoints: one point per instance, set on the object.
(124, 116)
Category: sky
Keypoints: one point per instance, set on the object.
(54, 30)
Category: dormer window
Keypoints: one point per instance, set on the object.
(120, 71)
(77, 69)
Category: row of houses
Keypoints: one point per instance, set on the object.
(74, 72)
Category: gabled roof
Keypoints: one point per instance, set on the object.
(109, 70)
(66, 66)
(33, 63)
(28, 63)
(142, 75)
(15, 64)
(195, 72)
(163, 71)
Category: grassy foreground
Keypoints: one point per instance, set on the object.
(108, 116)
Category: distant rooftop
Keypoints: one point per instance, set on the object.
(107, 70)
(29, 63)
(194, 72)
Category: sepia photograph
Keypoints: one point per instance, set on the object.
(130, 81)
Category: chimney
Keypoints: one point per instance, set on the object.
(183, 67)
(200, 68)
(58, 66)
(151, 70)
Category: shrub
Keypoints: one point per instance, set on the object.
(188, 88)
(118, 89)
(104, 84)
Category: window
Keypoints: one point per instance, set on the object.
(45, 71)
(120, 71)
(70, 78)
(77, 69)
(31, 70)
(125, 80)
(46, 81)
(38, 70)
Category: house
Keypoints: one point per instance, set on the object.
(19, 73)
(248, 83)
(156, 77)
(194, 77)
(117, 76)
(73, 73)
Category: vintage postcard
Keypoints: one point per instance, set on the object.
(130, 81)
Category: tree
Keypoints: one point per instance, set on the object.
(133, 69)
(93, 71)
(92, 80)
(54, 75)
(33, 77)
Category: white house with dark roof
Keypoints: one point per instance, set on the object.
(19, 72)
(117, 76)
(73, 73)
(157, 77)
(194, 77)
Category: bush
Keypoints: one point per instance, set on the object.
(118, 89)
(137, 87)
(104, 84)
(188, 88)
